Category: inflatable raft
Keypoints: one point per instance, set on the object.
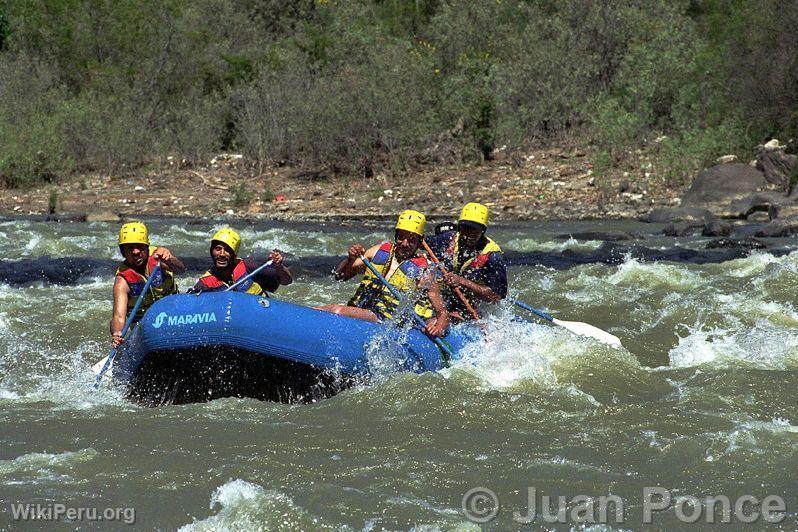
(192, 348)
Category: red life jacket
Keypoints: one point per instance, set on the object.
(208, 282)
(162, 285)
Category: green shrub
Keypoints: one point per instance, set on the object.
(267, 194)
(684, 155)
(358, 86)
(52, 202)
(242, 195)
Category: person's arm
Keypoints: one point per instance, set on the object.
(437, 325)
(172, 263)
(482, 292)
(282, 272)
(121, 294)
(352, 265)
(496, 287)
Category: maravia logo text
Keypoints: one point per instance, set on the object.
(183, 319)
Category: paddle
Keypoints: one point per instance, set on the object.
(107, 362)
(576, 327)
(249, 275)
(456, 288)
(443, 347)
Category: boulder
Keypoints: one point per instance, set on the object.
(746, 243)
(776, 165)
(783, 211)
(759, 202)
(779, 229)
(66, 217)
(102, 216)
(682, 228)
(718, 186)
(726, 159)
(717, 228)
(678, 214)
(758, 217)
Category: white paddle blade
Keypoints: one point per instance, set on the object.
(98, 367)
(585, 329)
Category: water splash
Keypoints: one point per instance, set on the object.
(34, 468)
(247, 506)
(762, 346)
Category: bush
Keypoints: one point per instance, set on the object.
(359, 86)
(242, 195)
(694, 149)
(31, 119)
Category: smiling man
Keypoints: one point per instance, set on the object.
(399, 264)
(474, 263)
(228, 268)
(132, 275)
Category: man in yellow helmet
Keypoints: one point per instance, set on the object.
(399, 263)
(474, 263)
(132, 275)
(228, 268)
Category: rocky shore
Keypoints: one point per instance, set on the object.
(551, 184)
(537, 185)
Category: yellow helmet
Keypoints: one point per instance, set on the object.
(229, 237)
(412, 221)
(475, 212)
(134, 233)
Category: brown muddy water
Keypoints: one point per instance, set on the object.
(702, 401)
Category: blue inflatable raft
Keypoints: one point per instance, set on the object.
(191, 348)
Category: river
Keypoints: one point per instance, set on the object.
(702, 401)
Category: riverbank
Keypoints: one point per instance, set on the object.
(535, 185)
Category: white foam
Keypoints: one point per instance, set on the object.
(512, 352)
(33, 467)
(636, 274)
(762, 346)
(776, 425)
(8, 394)
(247, 506)
(531, 244)
(32, 243)
(754, 264)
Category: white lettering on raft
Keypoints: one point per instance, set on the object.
(183, 319)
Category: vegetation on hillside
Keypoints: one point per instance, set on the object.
(355, 86)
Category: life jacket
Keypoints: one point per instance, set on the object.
(374, 296)
(163, 284)
(471, 266)
(208, 282)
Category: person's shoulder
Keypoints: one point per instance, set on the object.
(495, 255)
(384, 247)
(442, 238)
(495, 261)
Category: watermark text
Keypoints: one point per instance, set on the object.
(482, 505)
(62, 512)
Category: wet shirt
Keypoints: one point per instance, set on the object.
(491, 273)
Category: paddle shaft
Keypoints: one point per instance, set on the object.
(533, 310)
(398, 296)
(155, 271)
(456, 288)
(249, 275)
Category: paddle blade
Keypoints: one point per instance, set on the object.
(585, 329)
(98, 367)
